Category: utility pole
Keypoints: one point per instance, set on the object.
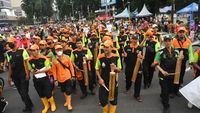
(106, 6)
(173, 10)
(129, 9)
(72, 3)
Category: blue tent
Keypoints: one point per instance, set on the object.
(193, 7)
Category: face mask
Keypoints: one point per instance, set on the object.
(59, 53)
(11, 45)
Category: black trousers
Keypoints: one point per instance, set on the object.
(90, 84)
(43, 87)
(148, 72)
(137, 84)
(22, 86)
(82, 86)
(103, 96)
(166, 84)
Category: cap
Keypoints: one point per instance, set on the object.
(78, 40)
(108, 34)
(43, 42)
(149, 33)
(37, 37)
(105, 30)
(11, 40)
(93, 34)
(182, 29)
(49, 38)
(106, 38)
(135, 36)
(64, 39)
(167, 37)
(58, 47)
(34, 47)
(65, 30)
(154, 26)
(108, 43)
(23, 34)
(132, 32)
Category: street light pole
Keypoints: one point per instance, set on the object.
(72, 3)
(173, 10)
(129, 9)
(106, 6)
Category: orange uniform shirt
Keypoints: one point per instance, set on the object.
(60, 73)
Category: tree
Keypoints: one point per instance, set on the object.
(28, 7)
(64, 8)
(37, 8)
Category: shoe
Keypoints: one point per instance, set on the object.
(127, 92)
(92, 93)
(189, 105)
(166, 110)
(83, 96)
(4, 105)
(171, 95)
(145, 86)
(52, 103)
(178, 94)
(148, 85)
(138, 99)
(27, 110)
(46, 105)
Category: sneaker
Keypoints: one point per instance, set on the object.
(4, 105)
(92, 93)
(83, 96)
(189, 105)
(166, 110)
(27, 110)
(171, 95)
(138, 99)
(178, 94)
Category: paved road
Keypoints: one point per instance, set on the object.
(151, 100)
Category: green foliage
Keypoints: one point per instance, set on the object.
(37, 8)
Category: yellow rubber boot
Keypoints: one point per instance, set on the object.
(105, 109)
(69, 103)
(65, 104)
(52, 103)
(46, 105)
(113, 108)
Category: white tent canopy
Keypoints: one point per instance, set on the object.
(123, 14)
(144, 12)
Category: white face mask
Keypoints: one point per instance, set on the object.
(59, 53)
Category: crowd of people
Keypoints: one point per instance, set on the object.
(61, 54)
